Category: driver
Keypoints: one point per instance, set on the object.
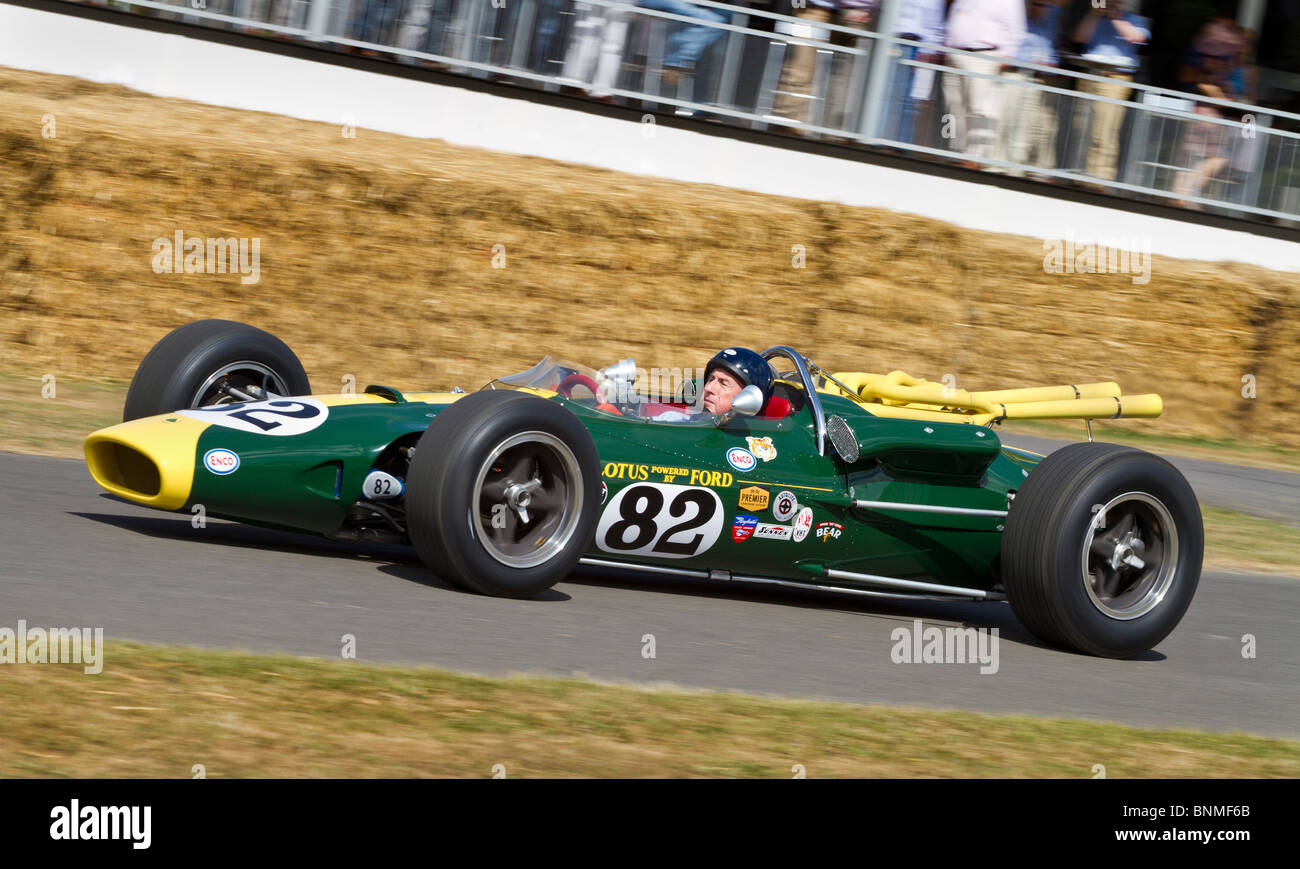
(728, 372)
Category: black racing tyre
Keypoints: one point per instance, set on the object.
(193, 365)
(1102, 549)
(503, 493)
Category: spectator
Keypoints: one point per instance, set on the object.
(794, 91)
(1029, 134)
(373, 22)
(687, 42)
(918, 21)
(291, 13)
(595, 52)
(1215, 71)
(1110, 37)
(993, 30)
(546, 55)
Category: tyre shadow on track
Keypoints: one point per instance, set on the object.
(401, 562)
(967, 614)
(393, 559)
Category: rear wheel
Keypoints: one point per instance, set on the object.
(211, 362)
(503, 493)
(1102, 549)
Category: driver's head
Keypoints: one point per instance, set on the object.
(730, 371)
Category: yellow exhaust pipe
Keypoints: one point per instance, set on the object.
(900, 395)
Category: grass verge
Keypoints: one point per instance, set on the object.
(158, 710)
(52, 419)
(1236, 541)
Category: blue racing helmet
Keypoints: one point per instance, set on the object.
(746, 366)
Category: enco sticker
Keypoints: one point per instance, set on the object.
(785, 506)
(803, 524)
(221, 462)
(661, 519)
(741, 459)
(280, 417)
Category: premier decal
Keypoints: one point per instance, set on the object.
(741, 459)
(763, 448)
(803, 524)
(221, 461)
(828, 531)
(282, 417)
(742, 527)
(785, 506)
(753, 498)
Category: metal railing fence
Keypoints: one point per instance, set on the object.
(814, 76)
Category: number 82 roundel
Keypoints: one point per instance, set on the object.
(661, 519)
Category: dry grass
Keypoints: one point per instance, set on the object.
(1248, 544)
(156, 711)
(377, 262)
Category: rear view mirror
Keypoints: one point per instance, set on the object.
(748, 402)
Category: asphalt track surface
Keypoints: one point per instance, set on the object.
(71, 556)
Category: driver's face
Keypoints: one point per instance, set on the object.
(719, 390)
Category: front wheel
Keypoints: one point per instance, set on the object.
(1102, 549)
(211, 362)
(503, 493)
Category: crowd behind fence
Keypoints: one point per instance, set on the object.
(997, 85)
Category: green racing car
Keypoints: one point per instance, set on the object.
(877, 485)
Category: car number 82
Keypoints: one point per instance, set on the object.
(661, 520)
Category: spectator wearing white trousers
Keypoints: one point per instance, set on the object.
(1028, 134)
(595, 52)
(993, 31)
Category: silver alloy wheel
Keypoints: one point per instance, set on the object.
(240, 376)
(1130, 555)
(527, 499)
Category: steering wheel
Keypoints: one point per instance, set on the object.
(566, 385)
(577, 379)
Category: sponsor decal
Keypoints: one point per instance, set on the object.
(220, 461)
(281, 417)
(663, 473)
(604, 491)
(828, 531)
(741, 459)
(768, 531)
(742, 527)
(762, 448)
(753, 498)
(785, 506)
(662, 520)
(803, 524)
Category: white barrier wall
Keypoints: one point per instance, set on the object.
(177, 66)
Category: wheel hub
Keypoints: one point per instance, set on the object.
(520, 495)
(527, 499)
(1129, 550)
(1130, 555)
